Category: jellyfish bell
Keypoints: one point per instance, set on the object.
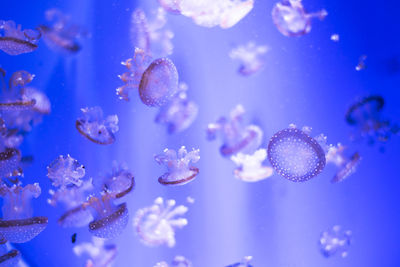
(346, 165)
(250, 141)
(236, 13)
(42, 103)
(75, 217)
(348, 169)
(295, 155)
(120, 182)
(367, 109)
(159, 83)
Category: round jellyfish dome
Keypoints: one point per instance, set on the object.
(22, 230)
(159, 83)
(295, 155)
(366, 109)
(75, 217)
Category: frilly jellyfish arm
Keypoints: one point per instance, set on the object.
(250, 166)
(119, 182)
(100, 253)
(65, 171)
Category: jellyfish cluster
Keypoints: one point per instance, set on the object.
(251, 57)
(335, 241)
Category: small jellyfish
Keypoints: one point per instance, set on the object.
(295, 155)
(18, 225)
(291, 19)
(179, 261)
(100, 253)
(15, 41)
(65, 171)
(250, 166)
(179, 113)
(119, 182)
(155, 225)
(236, 136)
(109, 219)
(159, 83)
(94, 127)
(335, 241)
(335, 37)
(361, 63)
(346, 165)
(251, 57)
(61, 35)
(8, 258)
(244, 263)
(179, 171)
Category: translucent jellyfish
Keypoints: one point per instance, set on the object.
(366, 116)
(295, 155)
(179, 113)
(361, 63)
(65, 171)
(15, 41)
(8, 258)
(335, 37)
(159, 83)
(94, 127)
(109, 219)
(179, 261)
(244, 263)
(155, 225)
(180, 171)
(335, 241)
(251, 57)
(151, 35)
(18, 225)
(100, 253)
(250, 168)
(236, 136)
(119, 182)
(211, 13)
(61, 35)
(291, 19)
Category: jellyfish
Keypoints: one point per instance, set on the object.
(335, 241)
(295, 155)
(151, 35)
(251, 57)
(61, 35)
(244, 263)
(101, 254)
(8, 258)
(15, 41)
(65, 171)
(361, 63)
(94, 127)
(366, 116)
(335, 37)
(250, 168)
(172, 6)
(178, 261)
(179, 113)
(236, 136)
(18, 225)
(291, 19)
(119, 182)
(155, 225)
(179, 171)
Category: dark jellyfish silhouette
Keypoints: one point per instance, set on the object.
(15, 41)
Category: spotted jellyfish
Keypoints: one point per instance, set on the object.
(119, 182)
(179, 261)
(291, 19)
(155, 225)
(250, 168)
(244, 263)
(235, 135)
(251, 57)
(179, 113)
(100, 253)
(95, 127)
(295, 155)
(335, 241)
(15, 41)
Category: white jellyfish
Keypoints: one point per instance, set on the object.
(250, 168)
(335, 241)
(251, 57)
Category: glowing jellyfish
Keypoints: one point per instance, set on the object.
(346, 165)
(18, 225)
(61, 35)
(151, 35)
(335, 241)
(291, 19)
(251, 57)
(100, 253)
(244, 263)
(155, 225)
(295, 155)
(179, 113)
(179, 261)
(236, 136)
(65, 170)
(119, 182)
(15, 41)
(8, 258)
(180, 171)
(250, 166)
(97, 129)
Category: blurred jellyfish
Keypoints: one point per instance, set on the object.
(65, 171)
(119, 182)
(244, 263)
(250, 168)
(172, 6)
(61, 35)
(295, 155)
(251, 57)
(179, 113)
(236, 136)
(100, 253)
(361, 63)
(366, 116)
(8, 258)
(151, 36)
(94, 127)
(179, 171)
(179, 261)
(291, 19)
(18, 225)
(335, 241)
(15, 41)
(335, 37)
(211, 13)
(155, 225)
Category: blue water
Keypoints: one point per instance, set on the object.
(307, 81)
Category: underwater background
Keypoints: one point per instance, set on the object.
(309, 80)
